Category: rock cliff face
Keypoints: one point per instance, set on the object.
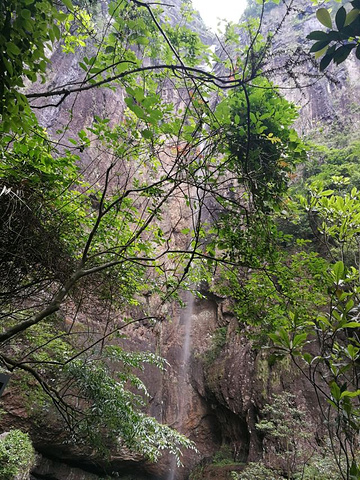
(214, 391)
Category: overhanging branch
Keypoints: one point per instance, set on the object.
(194, 73)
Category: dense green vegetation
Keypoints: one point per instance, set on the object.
(85, 235)
(17, 455)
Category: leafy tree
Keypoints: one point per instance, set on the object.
(110, 402)
(287, 445)
(307, 305)
(324, 344)
(79, 245)
(286, 438)
(304, 295)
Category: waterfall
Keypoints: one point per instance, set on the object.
(183, 378)
(197, 201)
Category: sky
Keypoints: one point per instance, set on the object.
(211, 9)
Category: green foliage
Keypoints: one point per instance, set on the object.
(42, 215)
(77, 26)
(263, 147)
(286, 446)
(304, 295)
(17, 455)
(110, 402)
(218, 341)
(58, 229)
(263, 297)
(336, 218)
(322, 466)
(260, 151)
(224, 456)
(44, 346)
(337, 44)
(54, 223)
(197, 473)
(319, 467)
(335, 348)
(258, 471)
(94, 242)
(336, 166)
(27, 29)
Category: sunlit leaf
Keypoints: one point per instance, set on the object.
(324, 18)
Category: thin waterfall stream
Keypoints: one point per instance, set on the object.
(183, 378)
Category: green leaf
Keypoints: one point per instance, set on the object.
(354, 471)
(275, 338)
(351, 16)
(325, 61)
(324, 320)
(62, 17)
(338, 271)
(352, 351)
(25, 14)
(335, 390)
(342, 53)
(324, 17)
(284, 338)
(340, 18)
(351, 325)
(138, 111)
(142, 40)
(56, 31)
(253, 117)
(319, 45)
(307, 357)
(346, 393)
(334, 35)
(320, 53)
(11, 48)
(8, 65)
(68, 4)
(147, 134)
(349, 305)
(299, 339)
(317, 35)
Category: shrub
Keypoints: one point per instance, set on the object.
(17, 455)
